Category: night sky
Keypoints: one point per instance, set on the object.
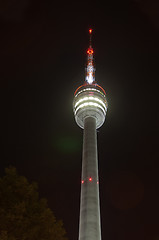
(43, 55)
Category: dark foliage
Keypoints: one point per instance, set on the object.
(23, 215)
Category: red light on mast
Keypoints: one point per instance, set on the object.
(90, 31)
(90, 51)
(90, 179)
(82, 181)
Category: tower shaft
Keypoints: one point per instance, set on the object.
(89, 227)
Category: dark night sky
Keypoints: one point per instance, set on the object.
(43, 47)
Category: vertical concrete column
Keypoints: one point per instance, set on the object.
(89, 226)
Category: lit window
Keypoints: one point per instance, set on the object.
(90, 98)
(88, 89)
(90, 104)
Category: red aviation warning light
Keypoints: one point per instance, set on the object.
(90, 30)
(90, 51)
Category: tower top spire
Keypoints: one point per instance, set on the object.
(90, 37)
(90, 70)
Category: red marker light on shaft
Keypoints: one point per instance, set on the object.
(90, 31)
(90, 179)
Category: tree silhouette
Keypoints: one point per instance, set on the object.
(23, 216)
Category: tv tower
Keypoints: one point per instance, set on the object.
(90, 107)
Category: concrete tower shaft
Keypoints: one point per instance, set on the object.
(89, 227)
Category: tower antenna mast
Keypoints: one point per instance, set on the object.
(90, 37)
(90, 69)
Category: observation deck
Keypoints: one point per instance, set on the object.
(90, 101)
